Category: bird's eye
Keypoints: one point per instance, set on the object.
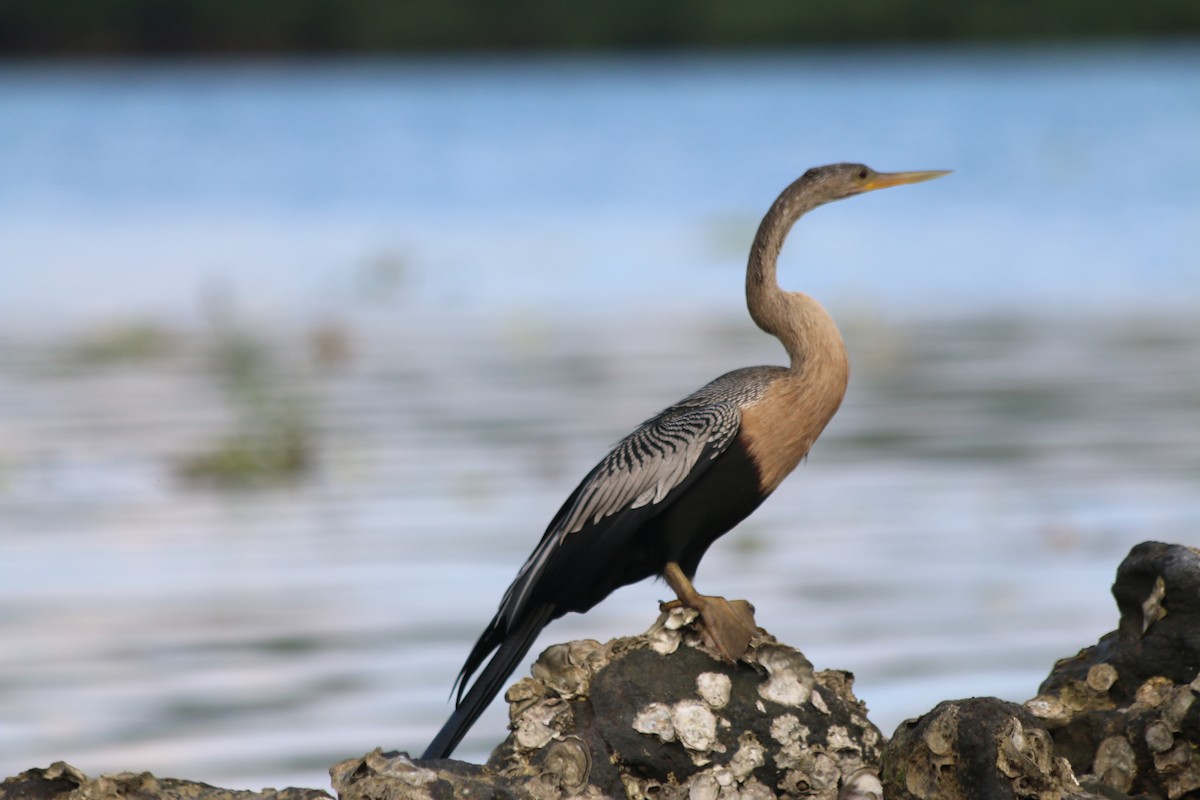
(862, 174)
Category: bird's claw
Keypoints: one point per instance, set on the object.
(728, 625)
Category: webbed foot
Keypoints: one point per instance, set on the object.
(728, 624)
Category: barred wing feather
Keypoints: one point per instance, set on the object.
(663, 454)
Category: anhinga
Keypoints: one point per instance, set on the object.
(668, 490)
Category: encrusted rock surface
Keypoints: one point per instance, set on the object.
(699, 728)
(661, 717)
(1124, 710)
(977, 748)
(657, 716)
(380, 776)
(61, 781)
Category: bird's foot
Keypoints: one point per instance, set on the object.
(728, 624)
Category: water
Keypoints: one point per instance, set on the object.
(472, 277)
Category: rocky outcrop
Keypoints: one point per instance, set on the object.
(1121, 714)
(661, 717)
(1124, 710)
(977, 748)
(61, 781)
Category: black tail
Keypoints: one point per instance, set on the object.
(512, 648)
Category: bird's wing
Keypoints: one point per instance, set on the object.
(665, 452)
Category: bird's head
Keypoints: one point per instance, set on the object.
(821, 185)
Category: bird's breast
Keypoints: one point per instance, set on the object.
(779, 428)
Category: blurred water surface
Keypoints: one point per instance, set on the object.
(468, 278)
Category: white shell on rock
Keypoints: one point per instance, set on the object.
(704, 786)
(1115, 763)
(789, 676)
(756, 790)
(839, 738)
(402, 768)
(862, 785)
(561, 667)
(1152, 607)
(1159, 737)
(680, 617)
(1049, 708)
(714, 688)
(695, 725)
(568, 766)
(666, 634)
(1101, 677)
(786, 729)
(1177, 705)
(541, 722)
(825, 772)
(750, 756)
(655, 719)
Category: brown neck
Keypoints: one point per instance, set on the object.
(799, 322)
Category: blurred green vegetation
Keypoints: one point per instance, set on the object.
(263, 27)
(272, 440)
(131, 341)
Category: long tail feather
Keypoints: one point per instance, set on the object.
(485, 688)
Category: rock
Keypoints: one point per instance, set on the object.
(670, 719)
(396, 776)
(1124, 711)
(61, 781)
(979, 748)
(656, 716)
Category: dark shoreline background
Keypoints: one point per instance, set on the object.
(151, 28)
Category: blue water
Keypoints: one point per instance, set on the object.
(525, 258)
(128, 187)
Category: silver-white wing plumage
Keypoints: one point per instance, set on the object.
(642, 470)
(650, 462)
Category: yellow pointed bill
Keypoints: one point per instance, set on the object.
(883, 180)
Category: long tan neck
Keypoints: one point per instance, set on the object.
(800, 323)
(764, 298)
(781, 428)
